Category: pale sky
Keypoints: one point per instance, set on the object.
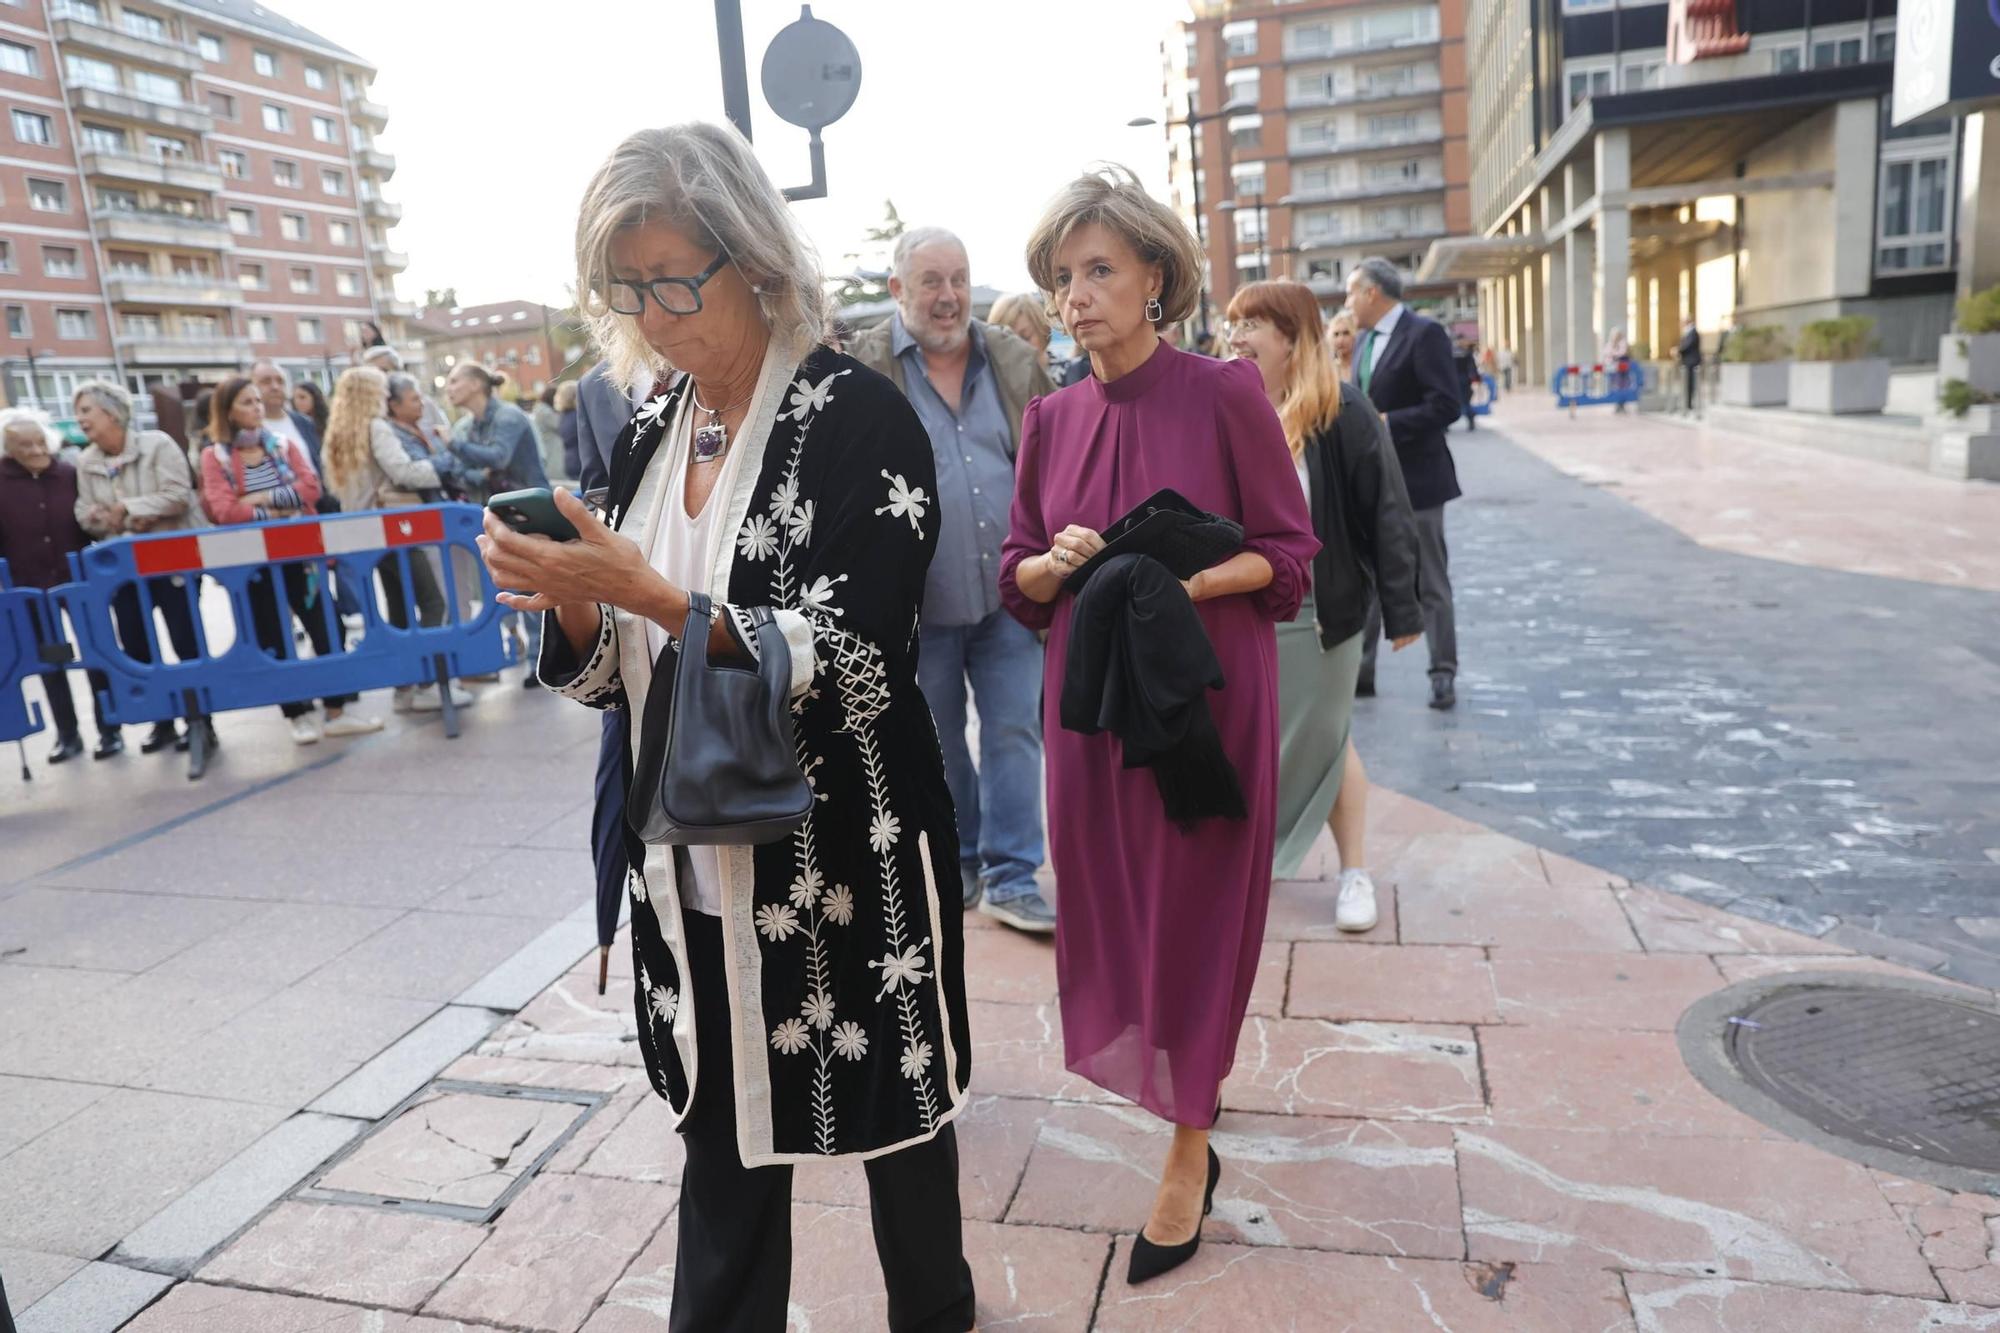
(971, 114)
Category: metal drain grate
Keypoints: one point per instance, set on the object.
(1912, 1073)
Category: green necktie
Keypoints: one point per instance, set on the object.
(1367, 358)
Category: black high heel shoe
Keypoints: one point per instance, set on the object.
(1150, 1260)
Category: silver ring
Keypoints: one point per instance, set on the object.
(1062, 557)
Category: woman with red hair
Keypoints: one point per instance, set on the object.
(1368, 542)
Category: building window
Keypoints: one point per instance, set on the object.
(1399, 125)
(122, 201)
(156, 87)
(261, 328)
(102, 138)
(234, 165)
(199, 326)
(1839, 51)
(1248, 178)
(88, 73)
(150, 26)
(332, 181)
(18, 59)
(165, 149)
(140, 326)
(284, 173)
(266, 63)
(1585, 84)
(277, 119)
(309, 331)
(1913, 233)
(339, 232)
(1246, 133)
(1239, 38)
(59, 261)
(48, 196)
(75, 324)
(1308, 39)
(17, 321)
(1883, 44)
(1641, 76)
(243, 221)
(1393, 26)
(293, 227)
(210, 46)
(128, 262)
(1313, 88)
(302, 281)
(1242, 87)
(315, 77)
(347, 282)
(325, 130)
(222, 106)
(34, 127)
(6, 256)
(250, 277)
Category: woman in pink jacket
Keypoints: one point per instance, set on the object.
(249, 476)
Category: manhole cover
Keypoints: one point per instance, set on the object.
(1897, 1074)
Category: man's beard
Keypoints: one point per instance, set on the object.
(932, 340)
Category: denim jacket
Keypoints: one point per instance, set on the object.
(501, 440)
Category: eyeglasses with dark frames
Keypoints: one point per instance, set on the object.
(676, 296)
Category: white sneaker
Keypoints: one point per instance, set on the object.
(352, 724)
(1356, 909)
(305, 729)
(425, 698)
(404, 699)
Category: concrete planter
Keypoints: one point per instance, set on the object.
(1755, 383)
(1968, 447)
(1840, 387)
(1972, 357)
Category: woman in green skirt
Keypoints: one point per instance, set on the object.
(1368, 545)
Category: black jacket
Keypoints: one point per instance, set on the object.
(1690, 348)
(1418, 389)
(1367, 534)
(1140, 666)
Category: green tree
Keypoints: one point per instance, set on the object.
(445, 297)
(868, 276)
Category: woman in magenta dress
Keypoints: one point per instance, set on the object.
(1158, 926)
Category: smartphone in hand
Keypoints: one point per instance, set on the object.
(533, 510)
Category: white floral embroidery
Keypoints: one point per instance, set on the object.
(759, 538)
(916, 1058)
(666, 1003)
(818, 1010)
(810, 397)
(849, 1040)
(802, 522)
(896, 969)
(839, 905)
(784, 497)
(649, 416)
(819, 597)
(777, 921)
(905, 501)
(883, 831)
(791, 1036)
(806, 886)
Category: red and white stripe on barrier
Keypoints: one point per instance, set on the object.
(219, 548)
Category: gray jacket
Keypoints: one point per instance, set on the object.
(1017, 369)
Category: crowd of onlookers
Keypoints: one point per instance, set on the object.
(256, 447)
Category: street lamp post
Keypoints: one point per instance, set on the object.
(1192, 123)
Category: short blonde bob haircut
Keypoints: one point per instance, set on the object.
(704, 180)
(1112, 197)
(1017, 306)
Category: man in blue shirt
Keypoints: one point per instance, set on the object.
(969, 383)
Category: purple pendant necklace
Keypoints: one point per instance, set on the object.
(711, 441)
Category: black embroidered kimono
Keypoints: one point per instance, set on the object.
(846, 967)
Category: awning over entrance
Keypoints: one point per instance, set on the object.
(1470, 258)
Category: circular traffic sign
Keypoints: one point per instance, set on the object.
(812, 72)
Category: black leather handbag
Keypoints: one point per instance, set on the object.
(1169, 528)
(717, 763)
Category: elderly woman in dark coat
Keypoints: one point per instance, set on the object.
(805, 998)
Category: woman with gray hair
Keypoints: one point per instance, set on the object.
(800, 999)
(131, 481)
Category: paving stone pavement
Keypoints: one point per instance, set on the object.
(1473, 1117)
(1814, 747)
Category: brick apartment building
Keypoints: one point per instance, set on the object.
(184, 187)
(531, 342)
(1330, 131)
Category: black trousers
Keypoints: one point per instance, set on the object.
(273, 627)
(423, 590)
(733, 1268)
(1690, 378)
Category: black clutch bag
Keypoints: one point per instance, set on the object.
(1172, 531)
(717, 763)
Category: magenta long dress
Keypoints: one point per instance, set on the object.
(1157, 929)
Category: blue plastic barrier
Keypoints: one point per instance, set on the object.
(20, 657)
(1594, 386)
(247, 675)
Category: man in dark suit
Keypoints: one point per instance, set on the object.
(1403, 361)
(602, 412)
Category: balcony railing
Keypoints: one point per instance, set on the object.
(1385, 91)
(395, 261)
(1375, 235)
(135, 226)
(395, 309)
(368, 111)
(79, 28)
(130, 104)
(1400, 139)
(183, 173)
(381, 210)
(171, 289)
(167, 349)
(1335, 50)
(1369, 190)
(375, 160)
